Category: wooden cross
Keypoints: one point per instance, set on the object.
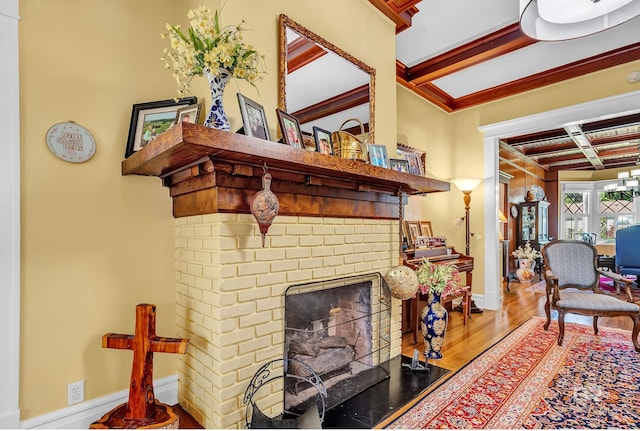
(142, 403)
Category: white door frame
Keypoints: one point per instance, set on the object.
(10, 216)
(610, 107)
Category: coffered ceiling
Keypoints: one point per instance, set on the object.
(459, 53)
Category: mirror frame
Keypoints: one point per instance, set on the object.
(286, 22)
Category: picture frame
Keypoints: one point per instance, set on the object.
(400, 165)
(323, 141)
(254, 118)
(290, 129)
(378, 155)
(425, 228)
(190, 114)
(154, 117)
(406, 152)
(412, 232)
(415, 164)
(308, 141)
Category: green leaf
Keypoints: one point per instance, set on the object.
(179, 33)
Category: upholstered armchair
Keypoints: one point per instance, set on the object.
(628, 250)
(572, 279)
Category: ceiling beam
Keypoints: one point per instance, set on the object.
(339, 103)
(401, 12)
(491, 46)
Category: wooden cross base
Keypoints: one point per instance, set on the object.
(142, 410)
(165, 418)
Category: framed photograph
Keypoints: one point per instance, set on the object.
(323, 140)
(412, 229)
(425, 228)
(378, 155)
(308, 141)
(254, 119)
(415, 164)
(150, 119)
(400, 165)
(290, 129)
(190, 114)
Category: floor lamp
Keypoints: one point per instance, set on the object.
(466, 186)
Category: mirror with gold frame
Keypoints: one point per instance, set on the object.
(320, 84)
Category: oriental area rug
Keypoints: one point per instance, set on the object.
(527, 381)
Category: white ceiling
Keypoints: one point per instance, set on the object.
(441, 25)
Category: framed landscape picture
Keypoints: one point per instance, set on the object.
(149, 119)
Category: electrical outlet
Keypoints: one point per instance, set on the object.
(75, 393)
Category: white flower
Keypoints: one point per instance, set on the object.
(207, 46)
(527, 252)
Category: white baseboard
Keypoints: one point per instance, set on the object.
(10, 420)
(81, 415)
(478, 299)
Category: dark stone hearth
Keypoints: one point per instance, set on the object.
(376, 403)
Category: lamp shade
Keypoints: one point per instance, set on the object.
(569, 19)
(466, 184)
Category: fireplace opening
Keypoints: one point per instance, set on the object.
(341, 329)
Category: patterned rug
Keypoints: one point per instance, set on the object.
(527, 381)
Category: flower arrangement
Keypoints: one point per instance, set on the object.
(440, 279)
(208, 46)
(527, 252)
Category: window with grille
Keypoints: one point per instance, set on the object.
(588, 209)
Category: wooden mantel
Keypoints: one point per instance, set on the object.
(210, 171)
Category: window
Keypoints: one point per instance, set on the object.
(616, 212)
(575, 213)
(588, 209)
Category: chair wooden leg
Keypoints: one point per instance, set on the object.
(636, 330)
(595, 325)
(561, 326)
(547, 309)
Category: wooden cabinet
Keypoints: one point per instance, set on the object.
(533, 224)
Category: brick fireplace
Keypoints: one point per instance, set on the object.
(231, 295)
(229, 289)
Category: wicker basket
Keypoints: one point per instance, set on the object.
(347, 146)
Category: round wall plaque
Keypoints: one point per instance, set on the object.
(71, 142)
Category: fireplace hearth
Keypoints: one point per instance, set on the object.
(341, 329)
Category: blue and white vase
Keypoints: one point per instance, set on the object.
(217, 81)
(434, 325)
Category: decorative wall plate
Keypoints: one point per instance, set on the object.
(71, 142)
(514, 211)
(538, 192)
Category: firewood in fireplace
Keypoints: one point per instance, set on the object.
(326, 361)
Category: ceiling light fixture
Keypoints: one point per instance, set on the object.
(627, 182)
(569, 19)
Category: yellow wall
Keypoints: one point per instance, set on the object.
(96, 243)
(427, 128)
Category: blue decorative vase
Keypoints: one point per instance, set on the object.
(217, 81)
(434, 325)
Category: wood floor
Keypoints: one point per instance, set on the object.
(465, 342)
